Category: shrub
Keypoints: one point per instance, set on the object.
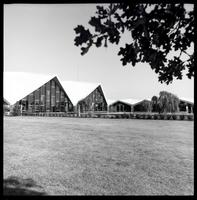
(190, 117)
(177, 117)
(122, 116)
(174, 117)
(131, 116)
(149, 116)
(169, 117)
(117, 116)
(127, 116)
(182, 117)
(137, 116)
(155, 116)
(165, 117)
(161, 116)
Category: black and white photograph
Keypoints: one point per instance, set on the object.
(98, 99)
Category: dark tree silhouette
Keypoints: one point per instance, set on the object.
(157, 31)
(168, 102)
(154, 102)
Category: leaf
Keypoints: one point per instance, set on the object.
(99, 41)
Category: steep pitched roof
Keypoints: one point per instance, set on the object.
(17, 85)
(6, 102)
(78, 90)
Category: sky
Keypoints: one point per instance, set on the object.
(39, 38)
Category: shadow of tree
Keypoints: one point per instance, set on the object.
(17, 186)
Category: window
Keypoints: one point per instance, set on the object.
(48, 96)
(62, 105)
(57, 103)
(52, 94)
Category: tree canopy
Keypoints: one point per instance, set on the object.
(157, 31)
(155, 106)
(168, 102)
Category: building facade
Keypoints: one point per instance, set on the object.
(142, 106)
(120, 106)
(186, 106)
(6, 106)
(49, 97)
(95, 101)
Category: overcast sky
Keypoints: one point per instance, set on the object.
(40, 39)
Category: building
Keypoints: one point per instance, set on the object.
(86, 97)
(142, 106)
(125, 105)
(186, 106)
(120, 106)
(6, 106)
(36, 93)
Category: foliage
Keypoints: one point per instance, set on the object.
(14, 111)
(157, 30)
(154, 102)
(147, 106)
(190, 117)
(168, 102)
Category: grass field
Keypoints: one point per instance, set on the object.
(87, 156)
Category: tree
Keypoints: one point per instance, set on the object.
(168, 102)
(157, 30)
(147, 106)
(154, 102)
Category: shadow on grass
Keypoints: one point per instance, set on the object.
(17, 186)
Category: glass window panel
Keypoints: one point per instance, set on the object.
(48, 96)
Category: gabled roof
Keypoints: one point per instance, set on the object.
(189, 101)
(77, 90)
(141, 101)
(5, 101)
(17, 85)
(126, 101)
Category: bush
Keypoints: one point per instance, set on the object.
(155, 116)
(125, 116)
(161, 116)
(137, 116)
(174, 117)
(148, 116)
(182, 117)
(122, 116)
(169, 117)
(117, 116)
(131, 116)
(190, 117)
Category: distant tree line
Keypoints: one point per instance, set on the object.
(166, 102)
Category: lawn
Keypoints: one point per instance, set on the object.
(91, 156)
